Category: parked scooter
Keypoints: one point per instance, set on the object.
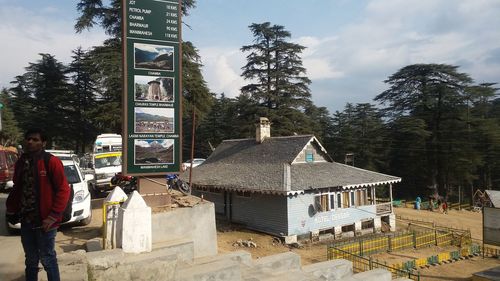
(127, 183)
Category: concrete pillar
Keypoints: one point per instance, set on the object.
(338, 231)
(135, 225)
(392, 222)
(390, 194)
(357, 228)
(112, 205)
(377, 224)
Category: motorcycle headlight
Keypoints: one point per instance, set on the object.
(79, 196)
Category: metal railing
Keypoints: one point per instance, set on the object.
(383, 208)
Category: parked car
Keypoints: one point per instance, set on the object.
(8, 157)
(81, 207)
(64, 155)
(196, 161)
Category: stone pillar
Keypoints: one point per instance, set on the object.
(357, 228)
(392, 222)
(112, 205)
(377, 224)
(135, 224)
(338, 231)
(390, 194)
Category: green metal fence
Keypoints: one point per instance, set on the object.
(360, 264)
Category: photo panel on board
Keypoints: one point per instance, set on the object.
(153, 151)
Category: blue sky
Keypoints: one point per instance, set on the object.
(352, 45)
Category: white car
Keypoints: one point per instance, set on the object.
(196, 162)
(81, 208)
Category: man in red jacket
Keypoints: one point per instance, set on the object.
(38, 205)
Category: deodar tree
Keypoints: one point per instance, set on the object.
(277, 78)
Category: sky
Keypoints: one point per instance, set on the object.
(352, 46)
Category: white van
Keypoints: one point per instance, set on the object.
(106, 165)
(107, 143)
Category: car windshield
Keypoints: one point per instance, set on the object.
(71, 173)
(108, 161)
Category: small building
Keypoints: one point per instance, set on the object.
(291, 187)
(493, 197)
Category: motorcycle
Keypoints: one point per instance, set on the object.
(173, 180)
(127, 183)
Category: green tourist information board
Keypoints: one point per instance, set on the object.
(152, 108)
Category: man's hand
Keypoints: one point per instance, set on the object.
(48, 223)
(12, 218)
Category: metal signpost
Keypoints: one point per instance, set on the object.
(152, 109)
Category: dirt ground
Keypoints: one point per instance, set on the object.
(228, 237)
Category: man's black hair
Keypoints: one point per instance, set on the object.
(39, 131)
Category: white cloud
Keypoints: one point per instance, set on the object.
(142, 143)
(222, 69)
(27, 33)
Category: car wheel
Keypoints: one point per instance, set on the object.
(94, 192)
(86, 220)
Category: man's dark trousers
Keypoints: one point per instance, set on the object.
(39, 246)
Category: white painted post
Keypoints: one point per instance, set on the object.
(392, 222)
(377, 224)
(135, 222)
(338, 231)
(111, 207)
(390, 194)
(357, 228)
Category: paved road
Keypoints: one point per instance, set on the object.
(11, 250)
(67, 239)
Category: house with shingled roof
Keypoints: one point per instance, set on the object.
(290, 187)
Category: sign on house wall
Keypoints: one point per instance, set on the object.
(152, 86)
(491, 226)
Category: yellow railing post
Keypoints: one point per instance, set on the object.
(104, 220)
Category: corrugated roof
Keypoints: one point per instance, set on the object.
(494, 196)
(267, 167)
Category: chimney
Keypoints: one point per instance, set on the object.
(263, 130)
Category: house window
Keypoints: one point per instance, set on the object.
(339, 200)
(332, 201)
(359, 198)
(352, 199)
(345, 199)
(321, 202)
(309, 156)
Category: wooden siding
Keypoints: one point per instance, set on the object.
(301, 157)
(302, 217)
(266, 213)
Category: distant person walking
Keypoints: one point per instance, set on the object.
(38, 205)
(445, 207)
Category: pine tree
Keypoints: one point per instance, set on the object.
(275, 69)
